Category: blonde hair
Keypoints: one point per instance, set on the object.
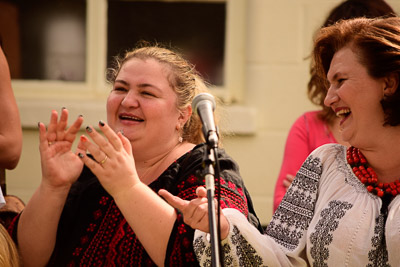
(184, 80)
(9, 256)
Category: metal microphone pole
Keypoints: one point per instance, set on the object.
(209, 162)
(210, 186)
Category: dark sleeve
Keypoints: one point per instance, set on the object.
(13, 228)
(233, 195)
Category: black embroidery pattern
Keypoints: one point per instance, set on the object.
(296, 210)
(379, 256)
(200, 248)
(322, 236)
(228, 260)
(246, 254)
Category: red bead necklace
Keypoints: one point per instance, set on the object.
(368, 177)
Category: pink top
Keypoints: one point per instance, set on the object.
(306, 134)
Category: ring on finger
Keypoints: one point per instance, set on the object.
(103, 161)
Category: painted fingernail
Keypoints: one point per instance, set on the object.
(38, 124)
(63, 108)
(101, 123)
(80, 155)
(88, 129)
(83, 138)
(80, 115)
(122, 132)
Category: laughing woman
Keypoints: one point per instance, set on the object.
(108, 214)
(343, 207)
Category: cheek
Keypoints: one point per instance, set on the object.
(113, 100)
(113, 103)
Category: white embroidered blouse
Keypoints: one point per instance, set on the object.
(327, 218)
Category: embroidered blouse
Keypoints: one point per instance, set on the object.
(93, 232)
(326, 218)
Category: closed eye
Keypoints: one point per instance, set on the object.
(147, 93)
(120, 89)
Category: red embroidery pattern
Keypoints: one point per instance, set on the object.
(113, 242)
(104, 238)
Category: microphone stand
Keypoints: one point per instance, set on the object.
(208, 165)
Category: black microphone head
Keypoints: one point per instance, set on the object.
(198, 99)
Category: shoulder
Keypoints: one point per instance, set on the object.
(199, 151)
(308, 119)
(229, 169)
(330, 149)
(312, 118)
(328, 154)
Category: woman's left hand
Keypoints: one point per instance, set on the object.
(113, 162)
(195, 211)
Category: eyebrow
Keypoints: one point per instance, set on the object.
(142, 85)
(121, 81)
(335, 76)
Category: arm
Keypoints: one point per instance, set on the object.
(37, 226)
(246, 245)
(10, 125)
(285, 240)
(150, 217)
(156, 220)
(296, 151)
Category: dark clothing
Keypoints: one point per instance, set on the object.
(93, 232)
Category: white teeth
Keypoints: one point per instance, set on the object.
(342, 112)
(130, 118)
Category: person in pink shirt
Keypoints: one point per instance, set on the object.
(315, 128)
(307, 133)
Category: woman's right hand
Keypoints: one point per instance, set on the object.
(60, 166)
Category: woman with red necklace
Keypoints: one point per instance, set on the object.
(343, 207)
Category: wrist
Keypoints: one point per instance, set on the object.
(126, 193)
(225, 227)
(50, 189)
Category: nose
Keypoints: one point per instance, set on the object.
(331, 97)
(130, 99)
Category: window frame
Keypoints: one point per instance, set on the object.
(37, 98)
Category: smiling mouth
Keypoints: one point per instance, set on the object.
(343, 113)
(130, 118)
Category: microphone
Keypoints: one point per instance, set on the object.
(204, 105)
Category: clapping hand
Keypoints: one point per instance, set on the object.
(112, 161)
(60, 166)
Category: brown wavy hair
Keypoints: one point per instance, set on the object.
(317, 86)
(377, 45)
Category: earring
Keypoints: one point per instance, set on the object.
(180, 139)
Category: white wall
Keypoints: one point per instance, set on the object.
(279, 35)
